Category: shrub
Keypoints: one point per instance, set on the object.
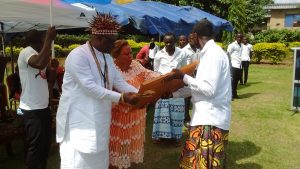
(71, 47)
(67, 40)
(274, 52)
(293, 44)
(58, 51)
(16, 51)
(221, 45)
(275, 35)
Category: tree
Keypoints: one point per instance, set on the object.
(237, 16)
(255, 12)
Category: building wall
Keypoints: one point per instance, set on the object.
(277, 20)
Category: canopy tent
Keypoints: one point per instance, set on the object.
(20, 15)
(156, 17)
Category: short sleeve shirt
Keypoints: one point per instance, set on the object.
(35, 94)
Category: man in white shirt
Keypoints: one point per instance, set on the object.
(246, 56)
(153, 49)
(211, 96)
(189, 52)
(34, 100)
(84, 112)
(182, 41)
(169, 113)
(234, 52)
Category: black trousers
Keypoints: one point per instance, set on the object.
(236, 75)
(187, 102)
(245, 68)
(37, 127)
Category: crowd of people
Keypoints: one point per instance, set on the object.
(98, 125)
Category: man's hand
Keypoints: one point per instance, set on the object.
(131, 98)
(175, 74)
(50, 34)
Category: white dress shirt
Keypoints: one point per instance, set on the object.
(190, 54)
(84, 110)
(152, 52)
(247, 49)
(164, 63)
(211, 89)
(234, 51)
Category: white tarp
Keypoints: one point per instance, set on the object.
(21, 15)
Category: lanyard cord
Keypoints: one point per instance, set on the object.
(104, 74)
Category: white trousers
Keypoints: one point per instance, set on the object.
(73, 159)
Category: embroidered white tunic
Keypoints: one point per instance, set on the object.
(84, 111)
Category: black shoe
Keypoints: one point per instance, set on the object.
(236, 97)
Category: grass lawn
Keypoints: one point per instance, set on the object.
(264, 132)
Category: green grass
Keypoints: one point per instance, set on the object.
(264, 131)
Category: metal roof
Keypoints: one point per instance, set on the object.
(286, 1)
(283, 6)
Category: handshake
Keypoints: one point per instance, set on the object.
(152, 90)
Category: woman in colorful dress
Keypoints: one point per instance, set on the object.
(127, 132)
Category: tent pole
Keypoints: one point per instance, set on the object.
(12, 57)
(3, 48)
(3, 51)
(51, 24)
(159, 40)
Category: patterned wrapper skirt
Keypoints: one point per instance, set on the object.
(204, 148)
(168, 118)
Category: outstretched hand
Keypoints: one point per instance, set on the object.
(131, 98)
(175, 74)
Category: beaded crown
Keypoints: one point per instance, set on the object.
(104, 24)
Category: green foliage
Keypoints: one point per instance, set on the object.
(58, 50)
(237, 15)
(16, 51)
(67, 40)
(221, 45)
(134, 44)
(274, 52)
(71, 47)
(293, 44)
(255, 12)
(275, 35)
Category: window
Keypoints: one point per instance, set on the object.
(292, 20)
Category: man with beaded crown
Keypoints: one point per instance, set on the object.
(84, 112)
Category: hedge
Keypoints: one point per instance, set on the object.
(293, 44)
(16, 51)
(274, 52)
(276, 35)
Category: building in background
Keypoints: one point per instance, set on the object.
(283, 14)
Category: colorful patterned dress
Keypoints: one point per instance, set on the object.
(127, 130)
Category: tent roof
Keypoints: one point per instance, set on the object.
(20, 15)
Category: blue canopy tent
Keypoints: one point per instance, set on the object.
(151, 17)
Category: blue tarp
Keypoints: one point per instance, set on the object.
(158, 18)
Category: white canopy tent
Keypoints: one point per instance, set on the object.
(20, 15)
(23, 15)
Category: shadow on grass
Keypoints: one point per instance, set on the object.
(241, 150)
(247, 85)
(247, 95)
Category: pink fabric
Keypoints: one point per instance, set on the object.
(127, 131)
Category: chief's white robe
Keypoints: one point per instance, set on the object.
(84, 111)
